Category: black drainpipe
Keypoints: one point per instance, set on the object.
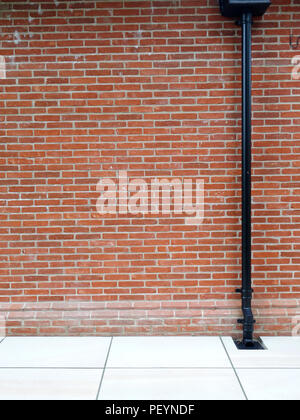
(245, 10)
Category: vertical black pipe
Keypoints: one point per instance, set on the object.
(248, 321)
(246, 9)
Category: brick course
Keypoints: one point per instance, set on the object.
(152, 88)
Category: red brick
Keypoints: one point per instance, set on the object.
(154, 89)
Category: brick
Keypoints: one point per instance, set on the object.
(146, 87)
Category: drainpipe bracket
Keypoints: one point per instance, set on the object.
(245, 293)
(242, 321)
(239, 22)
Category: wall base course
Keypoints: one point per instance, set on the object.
(93, 318)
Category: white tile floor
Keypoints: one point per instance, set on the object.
(144, 368)
(60, 352)
(167, 352)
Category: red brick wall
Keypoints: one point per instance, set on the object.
(153, 88)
